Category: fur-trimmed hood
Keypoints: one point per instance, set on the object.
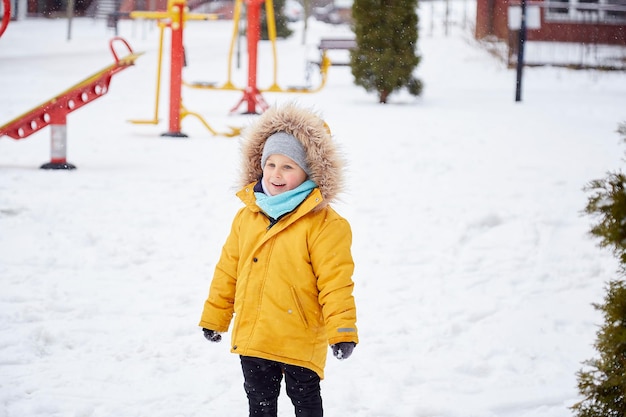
(323, 157)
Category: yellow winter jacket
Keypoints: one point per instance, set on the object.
(289, 286)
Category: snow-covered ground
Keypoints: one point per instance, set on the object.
(474, 271)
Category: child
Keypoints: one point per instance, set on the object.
(285, 270)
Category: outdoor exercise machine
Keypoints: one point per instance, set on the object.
(252, 96)
(54, 112)
(6, 15)
(174, 18)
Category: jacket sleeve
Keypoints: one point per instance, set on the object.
(332, 262)
(219, 306)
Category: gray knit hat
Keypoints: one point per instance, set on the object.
(282, 143)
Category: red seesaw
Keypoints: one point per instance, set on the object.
(6, 16)
(54, 111)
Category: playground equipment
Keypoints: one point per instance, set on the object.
(6, 15)
(155, 119)
(54, 111)
(252, 94)
(174, 18)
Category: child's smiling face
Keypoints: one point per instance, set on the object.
(281, 174)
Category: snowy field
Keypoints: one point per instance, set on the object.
(474, 271)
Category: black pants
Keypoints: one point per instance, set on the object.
(262, 380)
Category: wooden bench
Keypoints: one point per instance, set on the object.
(327, 44)
(333, 43)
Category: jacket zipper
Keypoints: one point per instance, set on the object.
(272, 220)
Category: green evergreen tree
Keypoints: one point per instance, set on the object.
(385, 56)
(603, 383)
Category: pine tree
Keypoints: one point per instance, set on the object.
(603, 384)
(385, 56)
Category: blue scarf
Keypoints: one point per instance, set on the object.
(280, 204)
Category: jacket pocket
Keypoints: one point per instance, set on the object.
(296, 300)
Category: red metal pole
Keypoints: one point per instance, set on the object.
(254, 34)
(252, 95)
(176, 69)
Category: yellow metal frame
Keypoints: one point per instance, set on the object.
(271, 29)
(234, 131)
(163, 18)
(155, 120)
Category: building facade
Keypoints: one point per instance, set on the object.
(580, 21)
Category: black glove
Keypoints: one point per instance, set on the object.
(212, 335)
(343, 350)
